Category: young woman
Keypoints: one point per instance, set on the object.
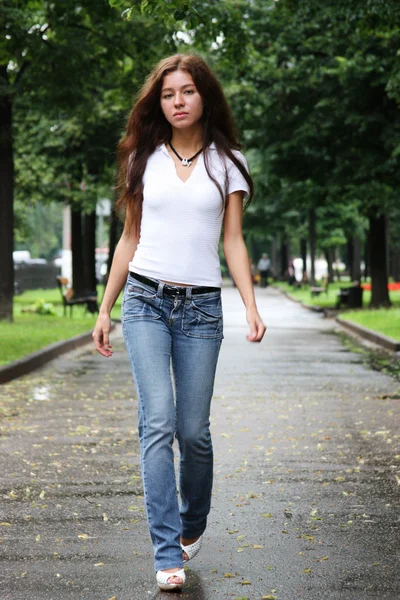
(181, 177)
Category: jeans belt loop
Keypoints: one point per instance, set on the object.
(188, 294)
(160, 289)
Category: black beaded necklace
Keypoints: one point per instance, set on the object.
(186, 162)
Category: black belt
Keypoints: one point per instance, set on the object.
(171, 290)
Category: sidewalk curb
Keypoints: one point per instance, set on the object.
(33, 361)
(369, 334)
(314, 308)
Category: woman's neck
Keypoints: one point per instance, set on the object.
(188, 140)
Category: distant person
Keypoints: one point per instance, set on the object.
(181, 176)
(263, 266)
(291, 273)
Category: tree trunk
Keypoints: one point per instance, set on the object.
(274, 258)
(89, 251)
(395, 264)
(303, 252)
(329, 260)
(337, 261)
(312, 229)
(78, 269)
(350, 258)
(6, 201)
(378, 261)
(356, 267)
(366, 258)
(284, 258)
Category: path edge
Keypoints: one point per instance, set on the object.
(367, 334)
(37, 359)
(370, 335)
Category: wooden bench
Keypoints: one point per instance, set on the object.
(350, 296)
(68, 298)
(317, 290)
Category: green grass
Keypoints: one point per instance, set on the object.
(383, 320)
(30, 332)
(328, 300)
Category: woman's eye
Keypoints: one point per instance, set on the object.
(189, 92)
(166, 96)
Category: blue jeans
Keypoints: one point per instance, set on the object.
(184, 332)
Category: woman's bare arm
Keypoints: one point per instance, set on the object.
(239, 265)
(124, 252)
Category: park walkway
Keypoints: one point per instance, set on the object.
(306, 477)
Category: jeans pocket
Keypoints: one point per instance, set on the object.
(140, 303)
(202, 318)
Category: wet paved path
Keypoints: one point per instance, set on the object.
(306, 476)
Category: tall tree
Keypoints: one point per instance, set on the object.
(74, 68)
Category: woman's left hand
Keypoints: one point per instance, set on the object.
(257, 327)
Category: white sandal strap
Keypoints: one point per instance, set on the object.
(192, 549)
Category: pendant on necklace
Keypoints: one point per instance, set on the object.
(186, 162)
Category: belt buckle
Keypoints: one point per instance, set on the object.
(175, 290)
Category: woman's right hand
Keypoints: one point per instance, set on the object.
(101, 335)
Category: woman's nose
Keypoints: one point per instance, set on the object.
(179, 100)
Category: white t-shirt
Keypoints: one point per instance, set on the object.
(181, 221)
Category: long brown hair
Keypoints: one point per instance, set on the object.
(148, 128)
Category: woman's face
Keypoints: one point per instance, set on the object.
(181, 103)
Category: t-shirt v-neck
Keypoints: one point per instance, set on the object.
(198, 158)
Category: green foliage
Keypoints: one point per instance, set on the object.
(39, 228)
(41, 308)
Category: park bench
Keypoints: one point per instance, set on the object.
(350, 296)
(68, 298)
(317, 290)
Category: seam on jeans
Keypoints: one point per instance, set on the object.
(140, 399)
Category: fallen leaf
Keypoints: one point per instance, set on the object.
(100, 564)
(266, 515)
(245, 582)
(258, 547)
(228, 575)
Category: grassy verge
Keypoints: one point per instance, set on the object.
(386, 321)
(31, 332)
(329, 300)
